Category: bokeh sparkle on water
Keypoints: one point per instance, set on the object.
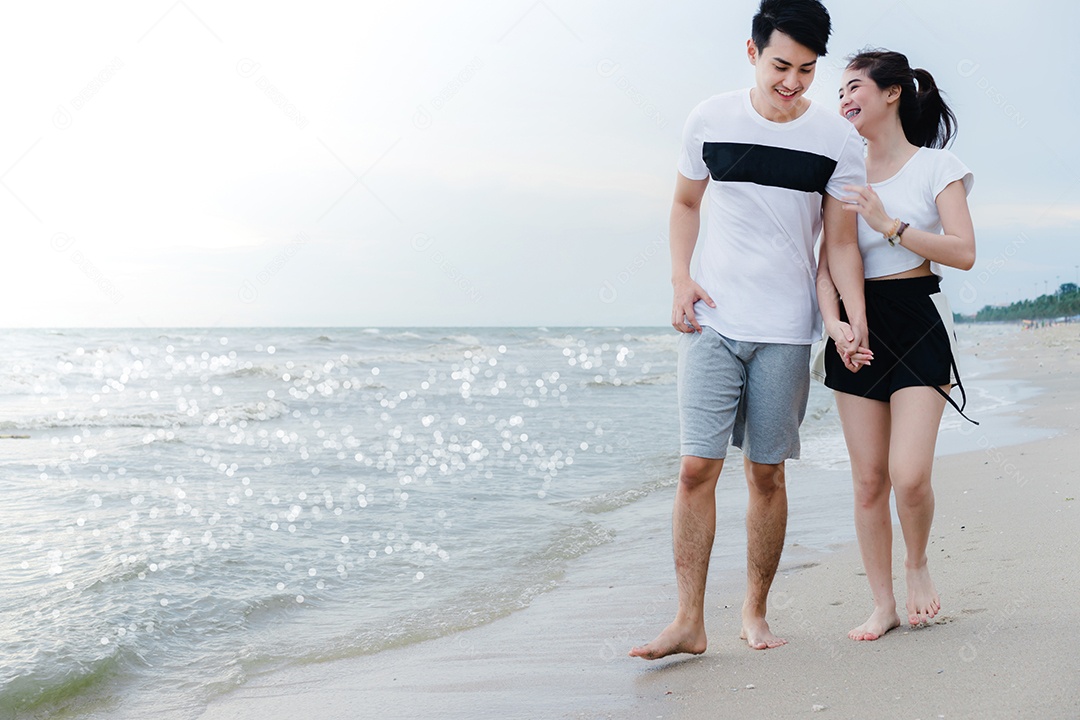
(201, 505)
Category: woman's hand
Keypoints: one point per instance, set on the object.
(852, 356)
(866, 202)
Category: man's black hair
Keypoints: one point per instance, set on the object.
(804, 21)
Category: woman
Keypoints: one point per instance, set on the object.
(913, 218)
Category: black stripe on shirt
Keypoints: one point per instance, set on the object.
(765, 165)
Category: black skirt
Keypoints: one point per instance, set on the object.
(910, 335)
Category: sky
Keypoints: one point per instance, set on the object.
(476, 163)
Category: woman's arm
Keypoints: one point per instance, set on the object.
(955, 248)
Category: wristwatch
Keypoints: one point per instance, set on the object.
(894, 238)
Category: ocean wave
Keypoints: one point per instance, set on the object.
(55, 684)
(430, 355)
(21, 385)
(569, 544)
(661, 379)
(114, 571)
(462, 339)
(820, 413)
(262, 370)
(228, 414)
(606, 502)
(254, 609)
(177, 338)
(659, 341)
(668, 341)
(275, 371)
(824, 447)
(551, 342)
(90, 350)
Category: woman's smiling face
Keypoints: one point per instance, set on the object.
(862, 102)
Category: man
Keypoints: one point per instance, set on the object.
(778, 165)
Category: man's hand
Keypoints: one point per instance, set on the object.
(687, 292)
(852, 351)
(861, 340)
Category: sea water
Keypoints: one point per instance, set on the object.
(192, 507)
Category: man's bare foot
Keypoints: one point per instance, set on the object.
(881, 621)
(676, 638)
(922, 598)
(756, 633)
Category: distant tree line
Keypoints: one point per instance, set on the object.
(1064, 303)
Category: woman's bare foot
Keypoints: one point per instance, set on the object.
(756, 633)
(922, 598)
(678, 637)
(881, 621)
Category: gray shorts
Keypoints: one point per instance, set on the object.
(753, 394)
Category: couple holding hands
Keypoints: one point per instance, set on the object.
(890, 203)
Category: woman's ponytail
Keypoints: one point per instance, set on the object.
(937, 123)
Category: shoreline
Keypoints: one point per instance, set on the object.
(566, 645)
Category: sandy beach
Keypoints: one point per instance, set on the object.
(1001, 552)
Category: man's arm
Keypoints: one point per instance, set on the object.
(683, 234)
(837, 329)
(840, 250)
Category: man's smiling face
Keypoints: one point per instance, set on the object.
(783, 72)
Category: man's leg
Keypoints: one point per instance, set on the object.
(916, 415)
(710, 384)
(866, 431)
(767, 430)
(693, 527)
(766, 523)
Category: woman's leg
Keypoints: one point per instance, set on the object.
(916, 415)
(866, 431)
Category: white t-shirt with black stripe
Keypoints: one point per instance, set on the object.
(764, 212)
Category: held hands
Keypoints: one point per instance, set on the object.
(866, 202)
(851, 344)
(687, 292)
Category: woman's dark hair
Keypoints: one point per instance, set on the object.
(804, 21)
(926, 119)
